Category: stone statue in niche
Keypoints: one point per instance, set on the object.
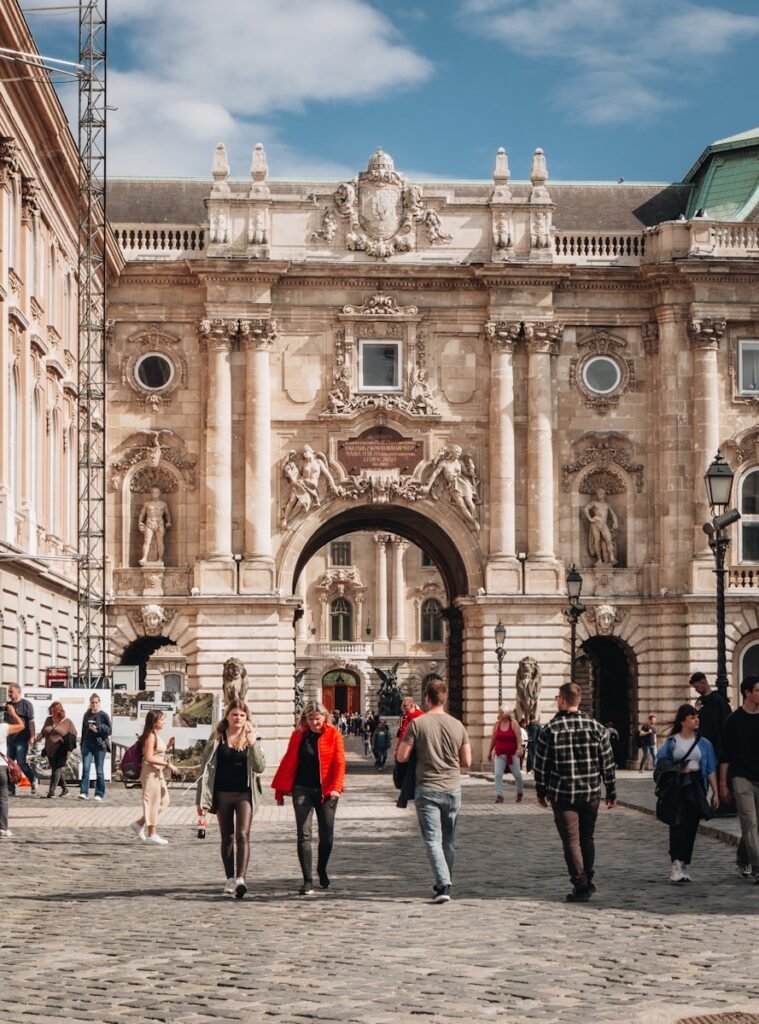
(257, 230)
(421, 396)
(458, 473)
(603, 527)
(502, 232)
(234, 679)
(540, 232)
(153, 522)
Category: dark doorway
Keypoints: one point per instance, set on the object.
(607, 673)
(140, 651)
(435, 542)
(341, 691)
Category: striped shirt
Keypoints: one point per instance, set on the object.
(572, 757)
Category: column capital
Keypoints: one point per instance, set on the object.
(30, 191)
(383, 539)
(8, 157)
(400, 542)
(706, 333)
(543, 336)
(216, 335)
(258, 333)
(502, 334)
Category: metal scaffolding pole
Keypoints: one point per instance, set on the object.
(91, 630)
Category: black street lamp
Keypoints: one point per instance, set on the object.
(500, 651)
(719, 482)
(575, 610)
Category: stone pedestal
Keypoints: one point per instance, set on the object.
(257, 576)
(152, 579)
(216, 576)
(503, 576)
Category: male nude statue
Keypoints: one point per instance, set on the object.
(603, 526)
(154, 521)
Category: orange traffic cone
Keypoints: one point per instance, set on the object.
(24, 781)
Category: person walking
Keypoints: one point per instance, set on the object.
(647, 742)
(313, 772)
(59, 735)
(572, 759)
(739, 761)
(19, 742)
(442, 749)
(13, 727)
(230, 787)
(96, 730)
(506, 749)
(533, 731)
(409, 711)
(696, 760)
(155, 792)
(380, 745)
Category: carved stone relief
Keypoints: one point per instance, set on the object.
(706, 333)
(308, 479)
(162, 444)
(604, 450)
(604, 617)
(382, 209)
(154, 339)
(743, 448)
(153, 618)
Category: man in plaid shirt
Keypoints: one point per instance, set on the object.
(572, 758)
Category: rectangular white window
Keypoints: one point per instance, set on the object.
(748, 369)
(379, 365)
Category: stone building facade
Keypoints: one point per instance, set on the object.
(38, 370)
(514, 376)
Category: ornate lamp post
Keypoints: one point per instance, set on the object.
(719, 482)
(500, 651)
(574, 611)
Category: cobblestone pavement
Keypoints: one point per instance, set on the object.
(98, 927)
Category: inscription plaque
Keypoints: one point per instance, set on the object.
(379, 448)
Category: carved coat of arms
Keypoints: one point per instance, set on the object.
(382, 209)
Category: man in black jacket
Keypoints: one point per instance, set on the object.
(18, 744)
(739, 761)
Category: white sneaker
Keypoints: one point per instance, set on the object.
(686, 873)
(99, 798)
(5, 833)
(240, 888)
(678, 875)
(83, 796)
(139, 830)
(157, 840)
(229, 886)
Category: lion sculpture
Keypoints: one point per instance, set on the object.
(234, 680)
(528, 689)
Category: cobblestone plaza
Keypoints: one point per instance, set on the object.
(108, 930)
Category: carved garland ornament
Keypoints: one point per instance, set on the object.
(164, 444)
(604, 451)
(381, 209)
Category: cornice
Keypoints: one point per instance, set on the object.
(388, 282)
(163, 280)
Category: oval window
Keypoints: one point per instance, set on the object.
(154, 371)
(601, 375)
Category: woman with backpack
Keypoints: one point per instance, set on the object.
(59, 734)
(230, 787)
(686, 765)
(155, 793)
(313, 771)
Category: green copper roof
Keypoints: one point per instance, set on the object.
(726, 176)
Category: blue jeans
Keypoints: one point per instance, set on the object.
(88, 755)
(437, 810)
(500, 767)
(645, 751)
(18, 749)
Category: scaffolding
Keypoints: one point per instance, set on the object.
(91, 627)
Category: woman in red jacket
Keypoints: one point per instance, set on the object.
(313, 771)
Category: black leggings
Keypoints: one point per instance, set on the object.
(234, 812)
(305, 802)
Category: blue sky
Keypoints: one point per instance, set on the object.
(608, 88)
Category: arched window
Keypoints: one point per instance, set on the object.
(53, 476)
(14, 439)
(341, 620)
(432, 622)
(68, 310)
(53, 647)
(13, 227)
(34, 255)
(52, 310)
(21, 652)
(749, 509)
(69, 487)
(35, 434)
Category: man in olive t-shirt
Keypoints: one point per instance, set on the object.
(442, 749)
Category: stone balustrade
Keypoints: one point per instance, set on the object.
(625, 248)
(339, 648)
(149, 240)
(744, 579)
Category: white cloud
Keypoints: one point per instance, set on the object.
(614, 60)
(199, 73)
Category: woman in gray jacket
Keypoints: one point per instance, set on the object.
(230, 787)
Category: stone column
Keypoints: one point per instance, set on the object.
(502, 336)
(381, 539)
(705, 336)
(216, 340)
(257, 570)
(399, 589)
(542, 342)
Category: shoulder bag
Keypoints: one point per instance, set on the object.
(15, 775)
(667, 774)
